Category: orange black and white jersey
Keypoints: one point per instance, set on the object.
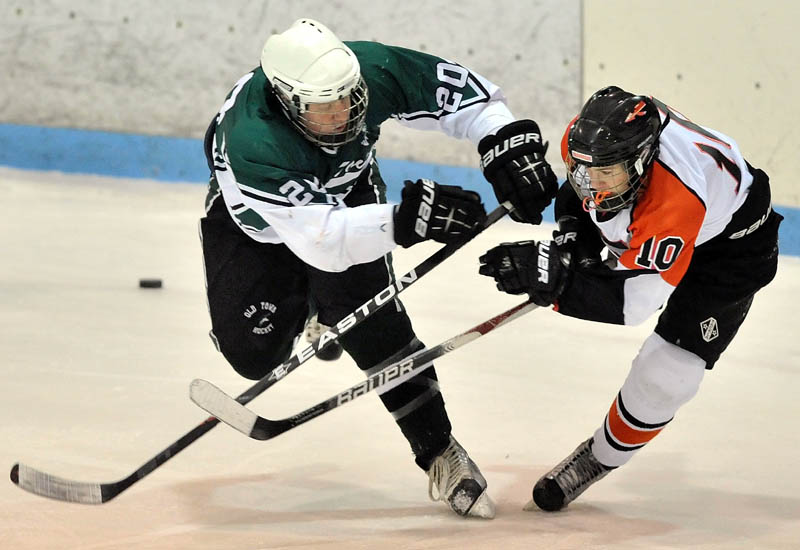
(701, 190)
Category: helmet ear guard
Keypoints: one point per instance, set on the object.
(618, 131)
(306, 65)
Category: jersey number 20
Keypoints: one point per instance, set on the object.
(455, 76)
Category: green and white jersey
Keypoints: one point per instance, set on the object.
(281, 188)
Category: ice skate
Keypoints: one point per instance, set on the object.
(568, 480)
(314, 330)
(456, 479)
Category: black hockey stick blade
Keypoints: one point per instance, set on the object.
(58, 488)
(229, 410)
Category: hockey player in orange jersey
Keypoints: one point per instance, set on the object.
(658, 211)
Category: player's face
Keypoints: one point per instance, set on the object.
(606, 181)
(326, 119)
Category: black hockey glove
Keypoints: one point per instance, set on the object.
(444, 213)
(527, 266)
(513, 162)
(574, 245)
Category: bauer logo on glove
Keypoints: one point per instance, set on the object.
(543, 262)
(507, 145)
(425, 208)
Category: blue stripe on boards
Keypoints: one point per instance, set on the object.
(103, 153)
(172, 159)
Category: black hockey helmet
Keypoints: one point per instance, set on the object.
(611, 148)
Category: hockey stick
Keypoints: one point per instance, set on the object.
(58, 488)
(229, 410)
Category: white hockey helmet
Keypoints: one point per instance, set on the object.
(307, 65)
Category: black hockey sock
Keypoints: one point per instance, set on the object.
(427, 429)
(417, 405)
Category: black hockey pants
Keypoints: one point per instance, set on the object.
(259, 299)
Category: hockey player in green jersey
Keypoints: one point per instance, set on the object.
(297, 221)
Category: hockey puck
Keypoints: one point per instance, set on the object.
(150, 283)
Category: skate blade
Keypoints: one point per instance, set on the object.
(530, 506)
(483, 507)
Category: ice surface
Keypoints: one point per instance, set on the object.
(96, 375)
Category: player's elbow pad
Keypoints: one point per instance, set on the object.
(594, 298)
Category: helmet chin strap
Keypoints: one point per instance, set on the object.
(596, 199)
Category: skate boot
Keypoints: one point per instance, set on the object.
(314, 330)
(454, 478)
(569, 479)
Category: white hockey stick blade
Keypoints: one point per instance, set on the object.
(216, 402)
(227, 409)
(58, 488)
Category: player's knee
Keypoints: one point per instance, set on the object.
(663, 376)
(253, 357)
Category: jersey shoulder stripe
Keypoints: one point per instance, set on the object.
(264, 197)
